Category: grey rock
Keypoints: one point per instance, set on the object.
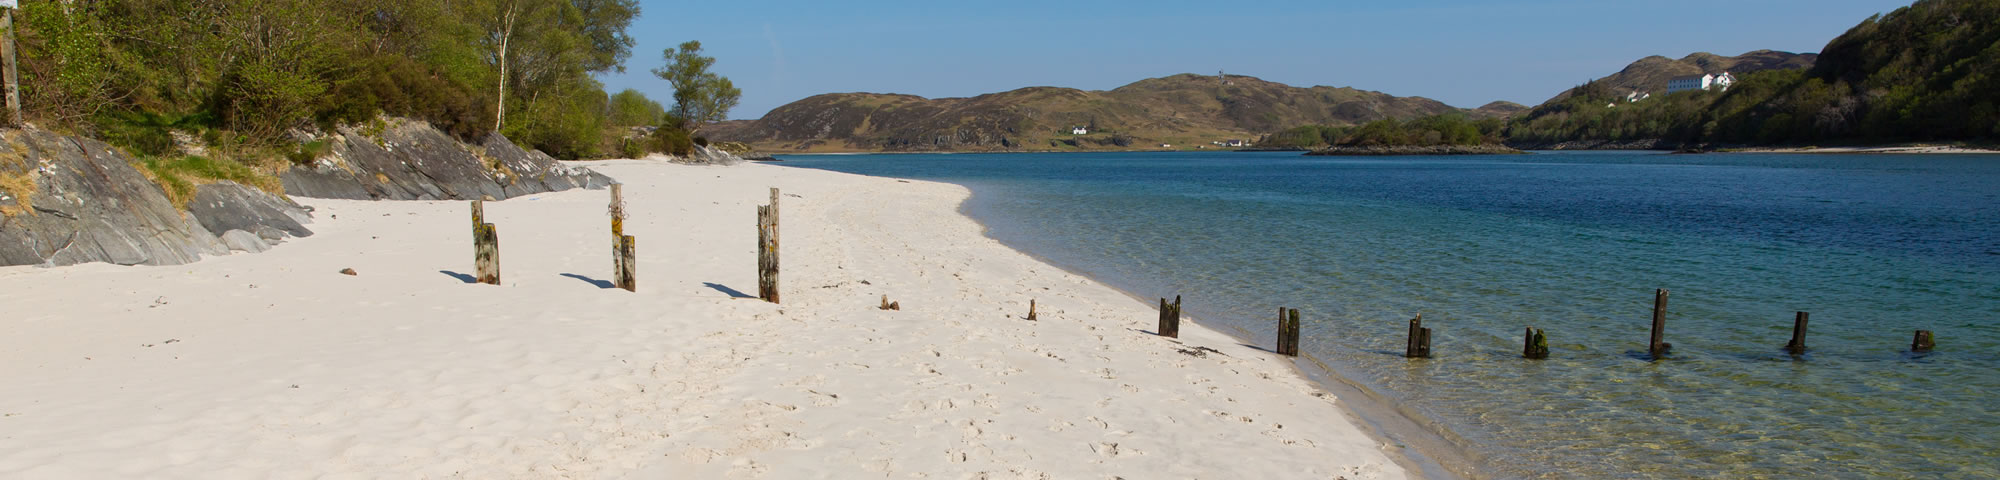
(242, 241)
(711, 156)
(224, 206)
(89, 205)
(412, 161)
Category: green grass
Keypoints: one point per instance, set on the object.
(180, 176)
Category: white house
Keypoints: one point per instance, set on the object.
(1719, 81)
(1637, 96)
(1079, 131)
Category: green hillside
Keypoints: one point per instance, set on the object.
(1184, 110)
(1928, 72)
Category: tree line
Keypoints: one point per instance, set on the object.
(242, 74)
(1435, 130)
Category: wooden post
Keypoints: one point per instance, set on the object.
(485, 246)
(1031, 309)
(1288, 332)
(1658, 347)
(13, 79)
(1424, 343)
(1536, 345)
(624, 272)
(486, 253)
(1798, 344)
(1282, 319)
(767, 249)
(1923, 343)
(1170, 318)
(628, 264)
(1416, 334)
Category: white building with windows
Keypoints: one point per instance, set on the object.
(1719, 81)
(1079, 131)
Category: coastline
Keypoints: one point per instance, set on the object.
(1890, 150)
(255, 365)
(1422, 447)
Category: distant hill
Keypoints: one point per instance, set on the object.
(1650, 74)
(1927, 72)
(1500, 109)
(1181, 110)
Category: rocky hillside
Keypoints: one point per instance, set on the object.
(1182, 110)
(409, 160)
(1650, 74)
(66, 200)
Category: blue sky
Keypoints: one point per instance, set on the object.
(1464, 53)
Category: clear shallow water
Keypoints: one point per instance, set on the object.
(1874, 247)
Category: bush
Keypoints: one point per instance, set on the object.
(672, 141)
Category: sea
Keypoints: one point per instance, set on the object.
(1873, 247)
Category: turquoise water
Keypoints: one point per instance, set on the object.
(1873, 246)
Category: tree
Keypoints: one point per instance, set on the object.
(631, 108)
(541, 44)
(700, 96)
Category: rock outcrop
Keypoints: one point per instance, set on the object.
(413, 161)
(709, 156)
(230, 209)
(68, 200)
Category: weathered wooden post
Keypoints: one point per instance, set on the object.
(485, 246)
(1031, 309)
(1923, 343)
(1536, 345)
(767, 249)
(1658, 346)
(1170, 318)
(1424, 343)
(1288, 331)
(628, 263)
(624, 272)
(1798, 344)
(1410, 348)
(1282, 319)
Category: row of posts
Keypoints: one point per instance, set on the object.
(624, 260)
(1534, 343)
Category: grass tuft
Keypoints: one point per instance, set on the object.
(180, 176)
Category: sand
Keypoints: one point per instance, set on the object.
(274, 365)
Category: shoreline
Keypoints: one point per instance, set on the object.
(1426, 452)
(1891, 150)
(257, 365)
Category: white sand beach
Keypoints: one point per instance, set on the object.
(274, 365)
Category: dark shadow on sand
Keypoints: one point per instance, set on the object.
(592, 281)
(460, 276)
(724, 289)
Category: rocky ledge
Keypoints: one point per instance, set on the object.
(409, 160)
(1417, 150)
(68, 200)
